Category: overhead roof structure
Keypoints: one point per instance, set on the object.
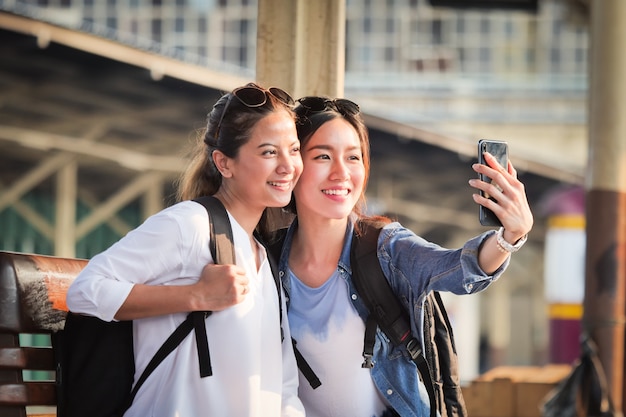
(126, 117)
(85, 119)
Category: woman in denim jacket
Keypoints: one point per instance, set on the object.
(326, 314)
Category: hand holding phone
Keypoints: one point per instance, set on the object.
(500, 150)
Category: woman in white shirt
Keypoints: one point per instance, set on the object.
(249, 159)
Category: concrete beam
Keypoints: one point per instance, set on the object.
(158, 66)
(127, 158)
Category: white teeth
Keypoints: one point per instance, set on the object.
(277, 184)
(335, 192)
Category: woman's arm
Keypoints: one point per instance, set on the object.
(155, 270)
(219, 287)
(511, 207)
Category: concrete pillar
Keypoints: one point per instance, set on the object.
(301, 46)
(605, 269)
(65, 216)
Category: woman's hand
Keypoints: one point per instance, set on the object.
(511, 204)
(220, 287)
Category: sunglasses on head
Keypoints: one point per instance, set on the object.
(251, 95)
(314, 104)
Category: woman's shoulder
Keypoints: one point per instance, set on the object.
(384, 226)
(395, 235)
(182, 209)
(184, 215)
(364, 224)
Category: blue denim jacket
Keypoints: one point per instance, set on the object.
(413, 267)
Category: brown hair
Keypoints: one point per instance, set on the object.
(229, 127)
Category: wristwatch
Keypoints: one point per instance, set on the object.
(505, 246)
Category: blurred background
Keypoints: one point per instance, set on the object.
(100, 100)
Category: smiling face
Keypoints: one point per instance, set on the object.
(334, 174)
(266, 168)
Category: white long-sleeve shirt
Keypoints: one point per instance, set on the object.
(254, 374)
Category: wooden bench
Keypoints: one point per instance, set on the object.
(32, 301)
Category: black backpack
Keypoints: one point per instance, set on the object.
(585, 391)
(95, 359)
(438, 365)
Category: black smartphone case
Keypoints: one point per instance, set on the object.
(499, 149)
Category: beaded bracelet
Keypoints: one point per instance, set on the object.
(506, 247)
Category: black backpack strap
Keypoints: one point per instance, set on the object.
(223, 252)
(274, 267)
(383, 305)
(441, 356)
(170, 344)
(273, 253)
(275, 249)
(221, 244)
(305, 368)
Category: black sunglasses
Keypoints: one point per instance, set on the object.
(251, 95)
(313, 104)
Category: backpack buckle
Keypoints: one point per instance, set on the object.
(367, 361)
(414, 348)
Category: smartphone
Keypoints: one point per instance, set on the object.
(500, 150)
